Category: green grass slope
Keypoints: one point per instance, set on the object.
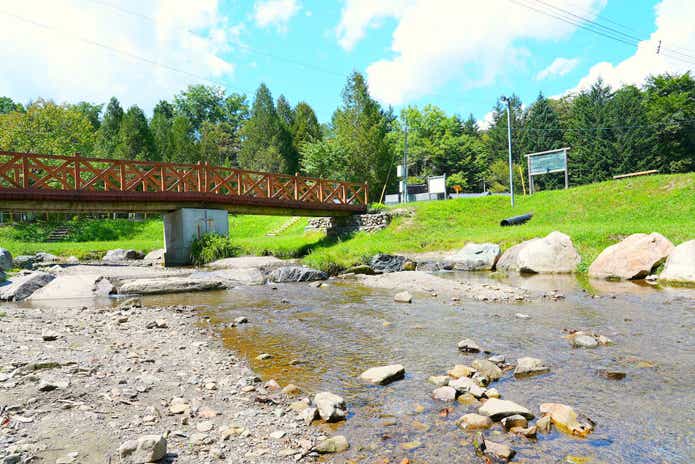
(595, 216)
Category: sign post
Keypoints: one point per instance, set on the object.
(546, 162)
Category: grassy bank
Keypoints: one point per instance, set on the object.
(595, 216)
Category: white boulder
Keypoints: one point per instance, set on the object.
(475, 257)
(633, 258)
(552, 254)
(680, 265)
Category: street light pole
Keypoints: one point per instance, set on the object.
(405, 162)
(509, 143)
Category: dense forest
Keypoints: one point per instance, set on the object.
(610, 131)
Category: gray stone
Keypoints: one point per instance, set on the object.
(498, 450)
(309, 414)
(361, 269)
(517, 420)
(583, 341)
(22, 286)
(45, 258)
(472, 421)
(154, 257)
(498, 409)
(5, 260)
(488, 369)
(447, 393)
(296, 274)
(49, 335)
(434, 266)
(119, 254)
(439, 380)
(47, 384)
(148, 448)
(12, 459)
(475, 257)
(383, 375)
(336, 444)
(403, 297)
(232, 277)
(467, 385)
(75, 286)
(468, 346)
(331, 407)
(635, 257)
(24, 261)
(553, 254)
(387, 263)
(530, 366)
(680, 264)
(167, 285)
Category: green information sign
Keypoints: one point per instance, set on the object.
(550, 162)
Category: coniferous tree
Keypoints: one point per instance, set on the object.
(305, 128)
(470, 126)
(183, 142)
(134, 137)
(633, 141)
(110, 127)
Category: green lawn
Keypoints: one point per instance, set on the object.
(595, 216)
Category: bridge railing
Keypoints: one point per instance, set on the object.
(35, 172)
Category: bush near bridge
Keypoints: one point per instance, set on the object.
(595, 216)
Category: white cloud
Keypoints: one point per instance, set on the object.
(436, 41)
(559, 67)
(51, 62)
(275, 13)
(486, 122)
(674, 28)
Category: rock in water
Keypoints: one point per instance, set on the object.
(296, 274)
(498, 409)
(488, 369)
(460, 370)
(466, 385)
(5, 260)
(516, 420)
(387, 263)
(583, 341)
(403, 297)
(384, 374)
(439, 380)
(564, 418)
(680, 265)
(474, 422)
(167, 285)
(331, 407)
(498, 450)
(21, 287)
(444, 393)
(633, 258)
(155, 257)
(475, 257)
(119, 254)
(148, 448)
(553, 254)
(336, 444)
(530, 366)
(468, 346)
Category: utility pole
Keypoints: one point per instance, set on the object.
(405, 162)
(509, 143)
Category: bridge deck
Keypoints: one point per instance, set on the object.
(31, 182)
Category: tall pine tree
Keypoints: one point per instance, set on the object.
(107, 138)
(134, 137)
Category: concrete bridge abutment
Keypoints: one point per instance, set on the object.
(184, 225)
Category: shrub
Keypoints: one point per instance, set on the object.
(211, 247)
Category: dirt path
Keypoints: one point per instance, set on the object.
(77, 382)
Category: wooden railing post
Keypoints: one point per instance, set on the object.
(343, 194)
(122, 167)
(205, 177)
(77, 171)
(200, 177)
(25, 172)
(296, 186)
(162, 179)
(320, 191)
(366, 194)
(269, 189)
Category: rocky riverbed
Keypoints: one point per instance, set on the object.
(77, 382)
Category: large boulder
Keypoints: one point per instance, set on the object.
(552, 254)
(23, 286)
(154, 257)
(331, 407)
(119, 254)
(388, 263)
(74, 286)
(45, 258)
(232, 277)
(24, 261)
(475, 257)
(5, 260)
(633, 258)
(383, 375)
(296, 274)
(168, 285)
(680, 265)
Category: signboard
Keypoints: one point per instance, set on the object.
(436, 184)
(543, 164)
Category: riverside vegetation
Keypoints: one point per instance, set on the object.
(594, 216)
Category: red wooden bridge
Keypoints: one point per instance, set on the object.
(32, 182)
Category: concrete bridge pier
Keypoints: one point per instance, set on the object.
(183, 226)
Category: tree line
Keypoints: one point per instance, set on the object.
(610, 131)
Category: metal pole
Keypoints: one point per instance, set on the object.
(509, 141)
(405, 164)
(567, 181)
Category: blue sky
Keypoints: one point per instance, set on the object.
(457, 54)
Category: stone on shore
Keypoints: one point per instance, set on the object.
(383, 375)
(552, 254)
(6, 261)
(154, 257)
(331, 407)
(119, 254)
(564, 418)
(148, 448)
(403, 297)
(387, 263)
(475, 257)
(680, 264)
(167, 285)
(488, 369)
(232, 277)
(336, 444)
(473, 421)
(22, 287)
(74, 286)
(530, 366)
(498, 409)
(635, 257)
(45, 258)
(468, 346)
(296, 274)
(24, 261)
